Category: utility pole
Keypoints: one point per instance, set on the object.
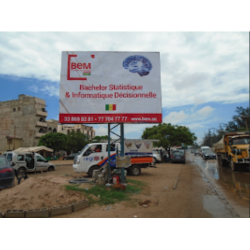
(14, 147)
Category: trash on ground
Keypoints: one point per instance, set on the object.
(107, 208)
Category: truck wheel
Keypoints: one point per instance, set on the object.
(90, 173)
(135, 170)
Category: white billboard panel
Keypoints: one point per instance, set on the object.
(110, 87)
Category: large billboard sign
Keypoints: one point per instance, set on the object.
(110, 87)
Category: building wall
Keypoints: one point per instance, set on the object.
(21, 118)
(87, 130)
(52, 126)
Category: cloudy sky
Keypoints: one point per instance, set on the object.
(204, 75)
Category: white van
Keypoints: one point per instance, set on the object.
(203, 149)
(95, 155)
(28, 161)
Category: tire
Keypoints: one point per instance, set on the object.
(21, 172)
(51, 168)
(79, 181)
(90, 172)
(135, 170)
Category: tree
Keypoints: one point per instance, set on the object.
(76, 141)
(56, 141)
(169, 135)
(240, 121)
(99, 138)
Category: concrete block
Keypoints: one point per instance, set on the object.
(37, 213)
(61, 210)
(80, 205)
(14, 214)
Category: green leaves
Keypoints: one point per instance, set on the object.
(56, 141)
(74, 141)
(169, 135)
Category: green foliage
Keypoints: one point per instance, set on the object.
(56, 141)
(239, 123)
(76, 141)
(108, 195)
(99, 138)
(169, 135)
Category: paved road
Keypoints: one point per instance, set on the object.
(234, 186)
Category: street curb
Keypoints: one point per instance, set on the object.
(37, 213)
(67, 209)
(14, 214)
(80, 205)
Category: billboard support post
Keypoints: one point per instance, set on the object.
(108, 152)
(122, 149)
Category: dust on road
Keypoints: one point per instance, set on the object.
(185, 201)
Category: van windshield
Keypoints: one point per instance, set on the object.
(84, 149)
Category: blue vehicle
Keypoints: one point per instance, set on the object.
(7, 174)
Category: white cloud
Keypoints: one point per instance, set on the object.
(175, 117)
(101, 130)
(205, 111)
(195, 67)
(191, 119)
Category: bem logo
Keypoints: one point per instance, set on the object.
(79, 68)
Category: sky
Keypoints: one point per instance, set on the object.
(204, 74)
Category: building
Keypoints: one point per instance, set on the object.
(23, 122)
(87, 130)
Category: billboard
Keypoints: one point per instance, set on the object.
(110, 87)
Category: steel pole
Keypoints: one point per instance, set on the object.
(122, 149)
(108, 152)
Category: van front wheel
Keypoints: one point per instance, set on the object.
(91, 171)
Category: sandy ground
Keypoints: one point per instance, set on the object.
(186, 201)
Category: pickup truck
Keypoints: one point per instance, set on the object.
(93, 156)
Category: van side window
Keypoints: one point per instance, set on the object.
(39, 159)
(20, 157)
(9, 157)
(112, 148)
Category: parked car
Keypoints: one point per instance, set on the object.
(196, 152)
(23, 162)
(70, 157)
(157, 156)
(178, 156)
(208, 154)
(7, 174)
(192, 151)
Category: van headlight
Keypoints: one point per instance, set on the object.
(78, 160)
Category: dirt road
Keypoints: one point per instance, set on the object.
(192, 197)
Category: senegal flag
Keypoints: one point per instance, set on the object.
(110, 107)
